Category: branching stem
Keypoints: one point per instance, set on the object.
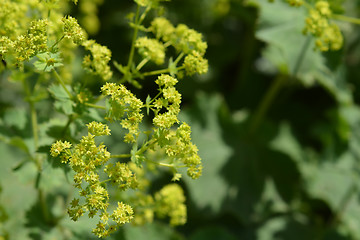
(157, 72)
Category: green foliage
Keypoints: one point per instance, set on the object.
(119, 120)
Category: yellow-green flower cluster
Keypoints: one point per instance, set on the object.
(73, 31)
(121, 215)
(328, 35)
(143, 207)
(186, 40)
(151, 49)
(186, 151)
(98, 129)
(182, 38)
(121, 175)
(59, 147)
(195, 63)
(180, 150)
(170, 101)
(123, 102)
(162, 28)
(5, 45)
(98, 62)
(31, 43)
(86, 159)
(170, 201)
(12, 18)
(27, 45)
(177, 144)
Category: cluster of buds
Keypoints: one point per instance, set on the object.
(328, 35)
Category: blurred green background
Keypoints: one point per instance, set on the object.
(277, 125)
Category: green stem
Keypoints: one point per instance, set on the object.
(33, 114)
(99, 98)
(34, 124)
(132, 50)
(56, 43)
(44, 208)
(307, 5)
(179, 57)
(105, 181)
(143, 15)
(167, 44)
(157, 72)
(146, 146)
(70, 119)
(157, 95)
(346, 18)
(121, 156)
(35, 130)
(62, 83)
(142, 63)
(95, 106)
(266, 103)
(161, 164)
(274, 89)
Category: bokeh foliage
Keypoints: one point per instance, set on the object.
(289, 170)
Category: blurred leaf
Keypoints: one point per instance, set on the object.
(63, 103)
(16, 117)
(153, 231)
(19, 143)
(206, 133)
(18, 192)
(212, 233)
(296, 228)
(268, 230)
(282, 31)
(293, 53)
(48, 61)
(330, 184)
(237, 167)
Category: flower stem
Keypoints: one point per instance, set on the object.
(56, 43)
(142, 63)
(266, 103)
(346, 18)
(157, 95)
(179, 57)
(146, 146)
(95, 106)
(161, 164)
(121, 156)
(157, 72)
(33, 114)
(274, 89)
(44, 208)
(70, 120)
(62, 83)
(131, 56)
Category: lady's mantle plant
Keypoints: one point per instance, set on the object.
(37, 37)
